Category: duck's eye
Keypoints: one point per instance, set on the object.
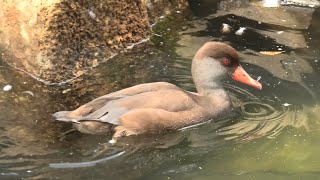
(226, 61)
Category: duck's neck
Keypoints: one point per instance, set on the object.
(207, 75)
(206, 79)
(209, 89)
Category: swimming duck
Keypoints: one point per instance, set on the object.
(161, 106)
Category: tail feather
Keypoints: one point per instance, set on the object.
(64, 116)
(67, 116)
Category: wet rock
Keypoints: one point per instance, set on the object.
(57, 40)
(303, 3)
(284, 66)
(289, 19)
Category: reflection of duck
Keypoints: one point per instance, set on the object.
(159, 106)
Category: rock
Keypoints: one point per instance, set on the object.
(292, 19)
(58, 40)
(301, 3)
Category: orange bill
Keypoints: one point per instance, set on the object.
(242, 76)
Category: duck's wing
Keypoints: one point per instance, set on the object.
(155, 108)
(98, 107)
(111, 111)
(141, 88)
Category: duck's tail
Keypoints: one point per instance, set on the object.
(65, 116)
(68, 116)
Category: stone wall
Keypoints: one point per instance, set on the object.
(57, 40)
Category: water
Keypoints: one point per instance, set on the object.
(272, 133)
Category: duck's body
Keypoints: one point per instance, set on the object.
(146, 108)
(161, 106)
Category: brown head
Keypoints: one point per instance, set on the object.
(215, 60)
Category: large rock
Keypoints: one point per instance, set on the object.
(57, 40)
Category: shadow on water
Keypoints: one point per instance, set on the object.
(272, 133)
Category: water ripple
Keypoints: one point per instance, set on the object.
(255, 117)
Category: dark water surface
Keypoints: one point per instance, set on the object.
(272, 133)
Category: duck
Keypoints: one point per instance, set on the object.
(161, 106)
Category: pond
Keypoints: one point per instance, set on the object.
(272, 133)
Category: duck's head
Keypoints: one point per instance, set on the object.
(213, 61)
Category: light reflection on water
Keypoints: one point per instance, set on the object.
(264, 117)
(271, 133)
